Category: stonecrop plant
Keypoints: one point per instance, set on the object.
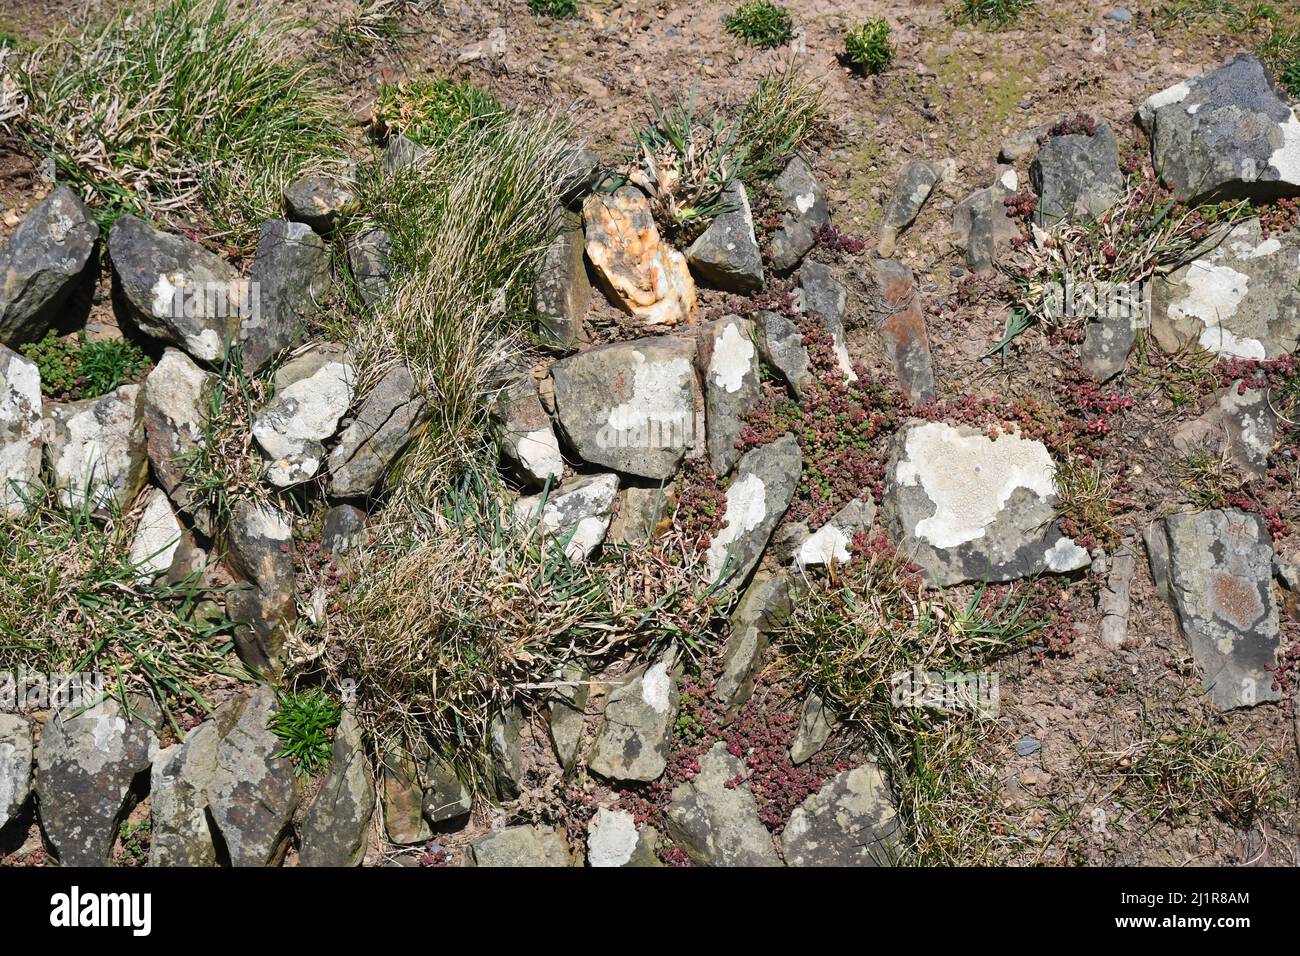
(761, 23)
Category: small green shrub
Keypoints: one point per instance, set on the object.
(868, 47)
(72, 368)
(761, 23)
(996, 13)
(306, 722)
(557, 9)
(432, 110)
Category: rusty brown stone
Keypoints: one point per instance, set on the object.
(907, 343)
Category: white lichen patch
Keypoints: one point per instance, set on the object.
(746, 509)
(828, 544)
(1174, 94)
(20, 433)
(733, 358)
(1286, 158)
(1212, 295)
(661, 394)
(612, 838)
(656, 687)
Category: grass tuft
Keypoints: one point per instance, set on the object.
(868, 48)
(761, 23)
(1281, 51)
(430, 111)
(995, 13)
(305, 721)
(556, 9)
(72, 368)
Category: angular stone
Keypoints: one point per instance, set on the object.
(156, 548)
(576, 514)
(505, 733)
(342, 529)
(1077, 176)
(565, 708)
(728, 363)
(631, 406)
(525, 846)
(1239, 299)
(401, 154)
(313, 392)
(336, 826)
(370, 254)
(1108, 337)
(967, 507)
(319, 200)
(816, 721)
(446, 798)
(634, 736)
(912, 188)
(1226, 134)
(562, 290)
(781, 345)
(178, 800)
(21, 432)
(95, 448)
(1114, 598)
(389, 419)
(850, 821)
(259, 541)
(716, 819)
(641, 274)
(907, 342)
(765, 606)
(403, 799)
(765, 482)
(983, 224)
(640, 515)
(90, 772)
(15, 766)
(1221, 582)
(804, 211)
(613, 839)
(529, 446)
(726, 254)
(832, 543)
(175, 289)
(823, 296)
(1251, 426)
(253, 792)
(290, 274)
(49, 254)
(176, 394)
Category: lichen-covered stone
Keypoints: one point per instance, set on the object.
(832, 543)
(391, 415)
(633, 739)
(446, 798)
(816, 721)
(176, 401)
(370, 255)
(565, 709)
(850, 821)
(21, 432)
(290, 274)
(756, 500)
(505, 743)
(403, 798)
(319, 200)
(336, 826)
(614, 839)
(983, 224)
(524, 846)
(907, 341)
(259, 539)
(1250, 425)
(726, 254)
(641, 514)
(728, 362)
(180, 834)
(156, 550)
(804, 211)
(576, 514)
(781, 345)
(716, 819)
(823, 296)
(529, 446)
(765, 606)
(15, 766)
(1077, 176)
(562, 290)
(313, 392)
(912, 188)
(95, 448)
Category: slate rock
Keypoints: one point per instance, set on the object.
(505, 733)
(715, 819)
(562, 290)
(614, 839)
(259, 541)
(902, 326)
(765, 606)
(342, 529)
(95, 448)
(983, 224)
(290, 274)
(824, 297)
(446, 798)
(21, 432)
(180, 834)
(912, 188)
(313, 392)
(1077, 176)
(726, 254)
(850, 821)
(523, 846)
(757, 498)
(728, 362)
(15, 766)
(565, 708)
(780, 343)
(576, 514)
(1251, 427)
(391, 416)
(403, 798)
(816, 721)
(804, 211)
(319, 200)
(370, 254)
(634, 736)
(176, 395)
(336, 826)
(640, 514)
(160, 548)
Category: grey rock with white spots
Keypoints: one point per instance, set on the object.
(95, 448)
(832, 543)
(446, 798)
(530, 449)
(850, 821)
(15, 766)
(1221, 583)
(565, 707)
(290, 274)
(562, 290)
(523, 846)
(370, 255)
(640, 514)
(614, 840)
(728, 363)
(634, 736)
(1114, 598)
(765, 606)
(505, 732)
(162, 549)
(726, 254)
(1077, 176)
(804, 211)
(824, 297)
(816, 721)
(91, 768)
(756, 500)
(259, 542)
(312, 394)
(1226, 134)
(176, 395)
(912, 188)
(391, 416)
(1108, 338)
(336, 826)
(982, 223)
(401, 154)
(319, 200)
(1251, 426)
(716, 819)
(180, 834)
(342, 529)
(575, 515)
(176, 290)
(967, 507)
(780, 343)
(21, 432)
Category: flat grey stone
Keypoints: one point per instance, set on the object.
(614, 840)
(180, 834)
(176, 396)
(95, 448)
(716, 819)
(756, 500)
(575, 515)
(764, 607)
(850, 821)
(523, 846)
(728, 362)
(290, 274)
(336, 826)
(634, 736)
(21, 433)
(16, 752)
(780, 343)
(726, 254)
(391, 416)
(816, 721)
(1077, 176)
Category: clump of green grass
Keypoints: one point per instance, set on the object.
(376, 23)
(73, 368)
(70, 602)
(995, 13)
(868, 47)
(761, 23)
(186, 109)
(1229, 14)
(430, 111)
(305, 721)
(1281, 51)
(1207, 477)
(556, 9)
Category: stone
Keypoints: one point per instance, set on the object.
(319, 200)
(391, 415)
(576, 514)
(91, 768)
(48, 256)
(259, 542)
(1119, 15)
(728, 363)
(401, 154)
(342, 529)
(1020, 145)
(565, 708)
(1226, 134)
(640, 514)
(403, 799)
(21, 432)
(832, 543)
(803, 211)
(1221, 583)
(631, 406)
(253, 793)
(1157, 548)
(1077, 176)
(634, 736)
(370, 254)
(176, 395)
(1114, 597)
(581, 167)
(816, 721)
(983, 224)
(613, 839)
(336, 827)
(902, 326)
(1108, 337)
(715, 819)
(726, 254)
(313, 392)
(912, 188)
(1251, 427)
(562, 289)
(175, 290)
(850, 821)
(446, 798)
(764, 607)
(523, 846)
(967, 507)
(290, 275)
(780, 343)
(180, 834)
(530, 449)
(505, 731)
(824, 297)
(757, 498)
(641, 274)
(1239, 300)
(95, 449)
(15, 767)
(156, 547)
